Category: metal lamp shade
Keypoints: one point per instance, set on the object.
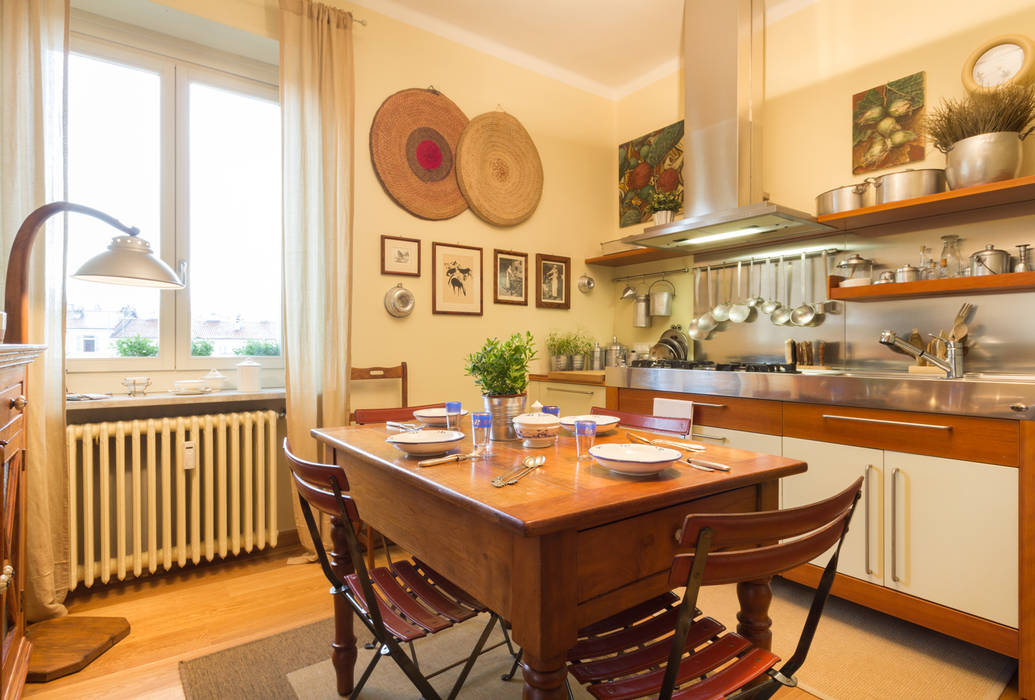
(129, 261)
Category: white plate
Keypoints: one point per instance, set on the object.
(855, 282)
(630, 458)
(434, 416)
(426, 442)
(190, 391)
(605, 424)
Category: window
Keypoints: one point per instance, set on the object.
(189, 154)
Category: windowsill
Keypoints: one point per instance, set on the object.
(171, 399)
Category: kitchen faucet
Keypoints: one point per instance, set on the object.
(952, 365)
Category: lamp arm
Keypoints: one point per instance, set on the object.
(17, 292)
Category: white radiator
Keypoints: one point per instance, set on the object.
(150, 494)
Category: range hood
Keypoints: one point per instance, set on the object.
(724, 73)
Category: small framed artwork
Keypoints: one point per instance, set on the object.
(456, 279)
(509, 277)
(553, 281)
(400, 256)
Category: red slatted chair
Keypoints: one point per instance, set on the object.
(679, 426)
(403, 602)
(621, 657)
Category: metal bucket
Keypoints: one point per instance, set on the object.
(983, 158)
(504, 409)
(661, 302)
(641, 311)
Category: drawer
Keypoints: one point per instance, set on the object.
(9, 396)
(574, 399)
(751, 415)
(12, 438)
(988, 440)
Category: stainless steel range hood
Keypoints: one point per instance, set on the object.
(724, 73)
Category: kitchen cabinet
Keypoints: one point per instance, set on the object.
(740, 439)
(574, 399)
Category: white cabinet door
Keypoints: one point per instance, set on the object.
(952, 533)
(574, 399)
(832, 468)
(740, 439)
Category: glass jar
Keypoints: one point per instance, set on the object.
(928, 265)
(950, 263)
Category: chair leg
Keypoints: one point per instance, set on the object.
(415, 676)
(513, 669)
(366, 674)
(413, 653)
(370, 548)
(474, 656)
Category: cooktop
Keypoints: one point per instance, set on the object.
(719, 366)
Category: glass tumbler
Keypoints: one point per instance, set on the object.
(453, 415)
(481, 431)
(585, 435)
(552, 410)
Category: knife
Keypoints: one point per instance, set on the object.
(694, 462)
(403, 426)
(698, 466)
(693, 447)
(446, 459)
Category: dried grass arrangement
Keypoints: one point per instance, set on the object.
(1010, 108)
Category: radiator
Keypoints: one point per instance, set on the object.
(169, 492)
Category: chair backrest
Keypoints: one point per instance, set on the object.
(314, 480)
(364, 416)
(678, 426)
(805, 531)
(396, 372)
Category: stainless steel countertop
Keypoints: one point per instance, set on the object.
(985, 395)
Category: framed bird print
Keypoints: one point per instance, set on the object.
(456, 279)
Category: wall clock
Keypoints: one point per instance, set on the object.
(1004, 60)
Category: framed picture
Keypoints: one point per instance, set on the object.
(400, 256)
(456, 279)
(553, 281)
(509, 277)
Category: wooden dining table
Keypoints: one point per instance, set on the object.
(569, 545)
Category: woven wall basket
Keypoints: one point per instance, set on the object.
(498, 169)
(413, 145)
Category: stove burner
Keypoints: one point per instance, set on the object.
(720, 367)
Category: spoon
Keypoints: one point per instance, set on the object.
(782, 315)
(756, 300)
(536, 463)
(721, 312)
(693, 329)
(706, 322)
(772, 305)
(803, 313)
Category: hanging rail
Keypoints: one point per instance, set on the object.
(651, 274)
(763, 258)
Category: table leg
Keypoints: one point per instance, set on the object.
(753, 619)
(343, 654)
(543, 678)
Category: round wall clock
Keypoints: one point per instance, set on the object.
(1005, 60)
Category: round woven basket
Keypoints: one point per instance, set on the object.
(498, 169)
(413, 145)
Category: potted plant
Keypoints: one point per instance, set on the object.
(981, 134)
(664, 205)
(556, 348)
(582, 345)
(501, 370)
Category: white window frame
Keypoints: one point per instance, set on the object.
(178, 63)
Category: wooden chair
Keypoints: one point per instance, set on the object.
(396, 372)
(619, 658)
(403, 602)
(679, 426)
(364, 416)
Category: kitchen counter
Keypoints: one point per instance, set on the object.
(989, 396)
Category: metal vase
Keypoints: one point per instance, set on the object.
(504, 409)
(578, 362)
(983, 158)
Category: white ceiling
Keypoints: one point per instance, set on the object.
(607, 47)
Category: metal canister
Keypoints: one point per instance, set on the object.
(641, 311)
(907, 273)
(615, 353)
(989, 261)
(597, 357)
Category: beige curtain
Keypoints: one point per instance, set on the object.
(33, 56)
(316, 96)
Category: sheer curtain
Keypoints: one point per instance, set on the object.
(316, 95)
(33, 56)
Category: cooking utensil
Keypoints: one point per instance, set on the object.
(661, 302)
(989, 261)
(962, 314)
(782, 315)
(822, 307)
(907, 184)
(907, 273)
(662, 350)
(399, 301)
(772, 304)
(446, 459)
(693, 330)
(721, 312)
(843, 198)
(628, 292)
(706, 322)
(755, 301)
(676, 335)
(525, 464)
(803, 313)
(585, 284)
(641, 311)
(690, 446)
(740, 310)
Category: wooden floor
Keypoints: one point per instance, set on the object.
(200, 611)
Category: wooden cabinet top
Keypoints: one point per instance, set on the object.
(14, 355)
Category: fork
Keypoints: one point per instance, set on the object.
(502, 480)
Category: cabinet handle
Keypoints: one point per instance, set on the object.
(709, 437)
(19, 403)
(569, 391)
(894, 524)
(866, 518)
(932, 426)
(709, 405)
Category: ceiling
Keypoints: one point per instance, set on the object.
(607, 47)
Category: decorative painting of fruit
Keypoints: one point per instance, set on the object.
(887, 124)
(649, 164)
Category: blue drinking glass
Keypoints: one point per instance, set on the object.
(552, 410)
(453, 415)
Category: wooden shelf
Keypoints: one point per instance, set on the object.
(988, 284)
(631, 257)
(1020, 189)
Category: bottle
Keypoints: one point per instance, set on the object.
(950, 263)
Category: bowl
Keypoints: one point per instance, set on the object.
(422, 443)
(605, 424)
(435, 417)
(630, 458)
(537, 429)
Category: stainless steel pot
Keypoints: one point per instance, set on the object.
(907, 273)
(983, 158)
(641, 311)
(989, 261)
(907, 184)
(844, 198)
(661, 301)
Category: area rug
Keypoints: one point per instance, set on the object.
(858, 654)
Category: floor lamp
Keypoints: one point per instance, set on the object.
(68, 644)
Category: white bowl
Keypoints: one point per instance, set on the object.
(855, 282)
(537, 429)
(426, 442)
(605, 424)
(629, 458)
(434, 416)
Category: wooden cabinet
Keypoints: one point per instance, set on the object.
(574, 399)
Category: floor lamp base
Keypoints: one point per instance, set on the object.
(64, 645)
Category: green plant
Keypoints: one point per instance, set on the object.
(136, 346)
(258, 347)
(501, 368)
(666, 201)
(1011, 108)
(582, 343)
(555, 342)
(201, 348)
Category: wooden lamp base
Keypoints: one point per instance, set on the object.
(68, 644)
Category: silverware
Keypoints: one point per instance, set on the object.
(694, 462)
(503, 478)
(446, 459)
(686, 446)
(536, 463)
(403, 426)
(698, 466)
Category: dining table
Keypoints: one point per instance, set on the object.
(568, 545)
